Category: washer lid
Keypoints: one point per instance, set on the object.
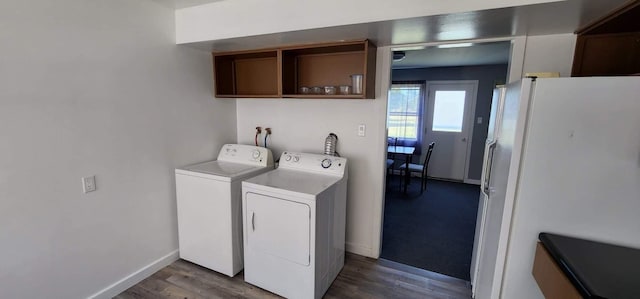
(223, 169)
(294, 180)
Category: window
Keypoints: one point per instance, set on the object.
(448, 111)
(404, 111)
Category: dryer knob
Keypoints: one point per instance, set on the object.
(287, 158)
(296, 159)
(256, 154)
(326, 163)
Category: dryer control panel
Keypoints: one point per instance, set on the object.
(324, 164)
(246, 154)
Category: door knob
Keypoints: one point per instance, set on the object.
(464, 139)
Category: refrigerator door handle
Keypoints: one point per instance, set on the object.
(253, 223)
(488, 163)
(484, 166)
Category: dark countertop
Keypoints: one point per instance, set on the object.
(597, 270)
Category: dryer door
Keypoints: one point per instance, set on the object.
(278, 227)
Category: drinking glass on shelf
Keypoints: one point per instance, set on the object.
(317, 90)
(329, 90)
(356, 83)
(345, 89)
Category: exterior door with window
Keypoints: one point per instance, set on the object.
(449, 122)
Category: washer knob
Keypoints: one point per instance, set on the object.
(287, 158)
(296, 159)
(256, 154)
(326, 163)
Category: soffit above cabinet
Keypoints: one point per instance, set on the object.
(538, 19)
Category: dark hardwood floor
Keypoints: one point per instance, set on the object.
(361, 277)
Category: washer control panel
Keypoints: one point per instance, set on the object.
(246, 154)
(314, 163)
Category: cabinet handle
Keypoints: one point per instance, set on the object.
(253, 223)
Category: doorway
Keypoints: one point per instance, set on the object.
(447, 101)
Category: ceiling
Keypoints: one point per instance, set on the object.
(540, 19)
(476, 54)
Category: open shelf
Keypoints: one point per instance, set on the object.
(323, 96)
(246, 74)
(281, 72)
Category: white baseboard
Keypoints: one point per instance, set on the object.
(359, 250)
(137, 276)
(470, 181)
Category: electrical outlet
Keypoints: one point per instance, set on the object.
(361, 130)
(89, 184)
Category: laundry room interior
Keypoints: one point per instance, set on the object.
(104, 105)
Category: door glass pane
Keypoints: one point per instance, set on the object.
(448, 111)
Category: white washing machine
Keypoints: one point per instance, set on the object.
(294, 225)
(209, 206)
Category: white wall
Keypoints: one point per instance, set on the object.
(203, 23)
(95, 87)
(549, 53)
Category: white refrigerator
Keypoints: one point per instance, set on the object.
(563, 157)
(497, 106)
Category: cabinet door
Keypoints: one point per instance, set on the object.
(607, 55)
(279, 227)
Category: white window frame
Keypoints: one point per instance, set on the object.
(419, 111)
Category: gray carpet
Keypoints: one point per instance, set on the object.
(433, 231)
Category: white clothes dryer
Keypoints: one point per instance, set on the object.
(209, 206)
(294, 225)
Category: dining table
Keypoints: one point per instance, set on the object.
(407, 152)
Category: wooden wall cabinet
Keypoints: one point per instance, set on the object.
(280, 72)
(610, 46)
(607, 55)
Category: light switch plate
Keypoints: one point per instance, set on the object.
(361, 130)
(89, 184)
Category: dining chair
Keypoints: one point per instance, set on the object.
(391, 141)
(421, 168)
